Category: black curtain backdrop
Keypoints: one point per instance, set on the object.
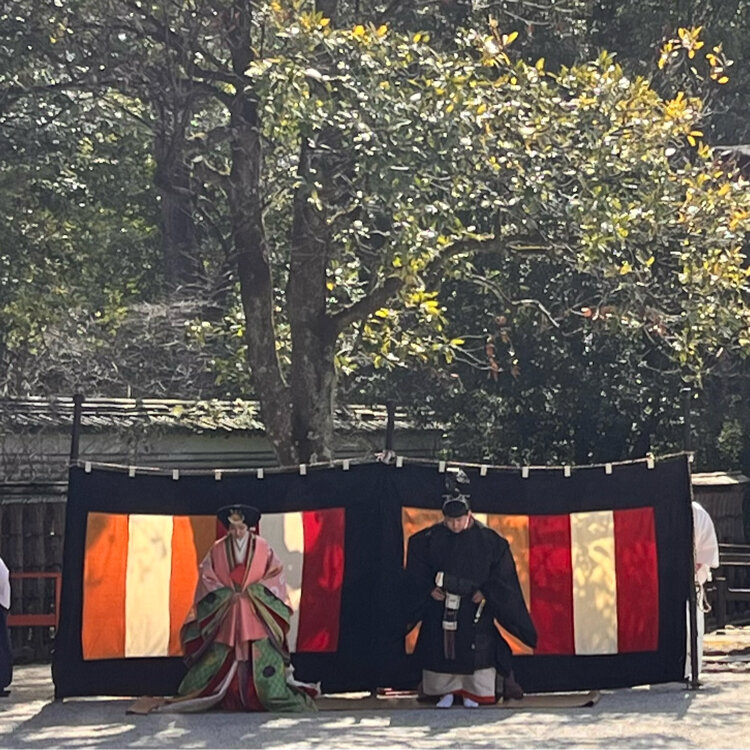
(371, 641)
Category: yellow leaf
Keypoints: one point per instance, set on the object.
(382, 312)
(325, 21)
(540, 64)
(382, 30)
(625, 268)
(723, 79)
(650, 262)
(510, 38)
(359, 31)
(417, 38)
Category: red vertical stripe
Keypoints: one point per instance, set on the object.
(637, 580)
(551, 583)
(322, 577)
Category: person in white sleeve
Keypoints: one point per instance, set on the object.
(6, 657)
(706, 557)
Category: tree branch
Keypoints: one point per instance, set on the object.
(377, 298)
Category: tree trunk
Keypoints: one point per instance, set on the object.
(313, 377)
(248, 237)
(172, 179)
(181, 267)
(313, 372)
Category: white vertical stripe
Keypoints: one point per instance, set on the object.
(285, 533)
(147, 585)
(592, 547)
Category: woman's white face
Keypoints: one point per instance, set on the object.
(238, 529)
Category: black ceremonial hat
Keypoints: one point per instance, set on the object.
(238, 512)
(455, 507)
(456, 498)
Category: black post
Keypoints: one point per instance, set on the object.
(76, 430)
(694, 684)
(390, 425)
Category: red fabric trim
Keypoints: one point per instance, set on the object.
(551, 583)
(322, 579)
(221, 673)
(485, 699)
(237, 574)
(637, 571)
(239, 696)
(192, 647)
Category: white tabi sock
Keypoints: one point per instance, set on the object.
(446, 701)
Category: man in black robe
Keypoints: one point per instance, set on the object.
(462, 577)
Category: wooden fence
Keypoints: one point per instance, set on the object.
(729, 592)
(32, 526)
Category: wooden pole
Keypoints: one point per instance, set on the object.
(75, 434)
(390, 426)
(693, 683)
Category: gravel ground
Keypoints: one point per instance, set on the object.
(716, 716)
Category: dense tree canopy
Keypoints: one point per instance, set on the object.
(343, 193)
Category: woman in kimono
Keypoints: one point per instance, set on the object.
(235, 636)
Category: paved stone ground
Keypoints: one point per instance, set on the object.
(663, 716)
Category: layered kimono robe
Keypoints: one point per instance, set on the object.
(461, 650)
(6, 656)
(706, 557)
(235, 637)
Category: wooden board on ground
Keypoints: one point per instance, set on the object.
(145, 705)
(390, 703)
(360, 702)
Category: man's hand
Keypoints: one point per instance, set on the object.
(438, 594)
(477, 597)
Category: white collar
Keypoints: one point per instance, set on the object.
(240, 546)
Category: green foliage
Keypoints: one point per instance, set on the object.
(577, 195)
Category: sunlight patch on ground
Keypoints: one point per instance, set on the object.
(284, 723)
(14, 714)
(78, 734)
